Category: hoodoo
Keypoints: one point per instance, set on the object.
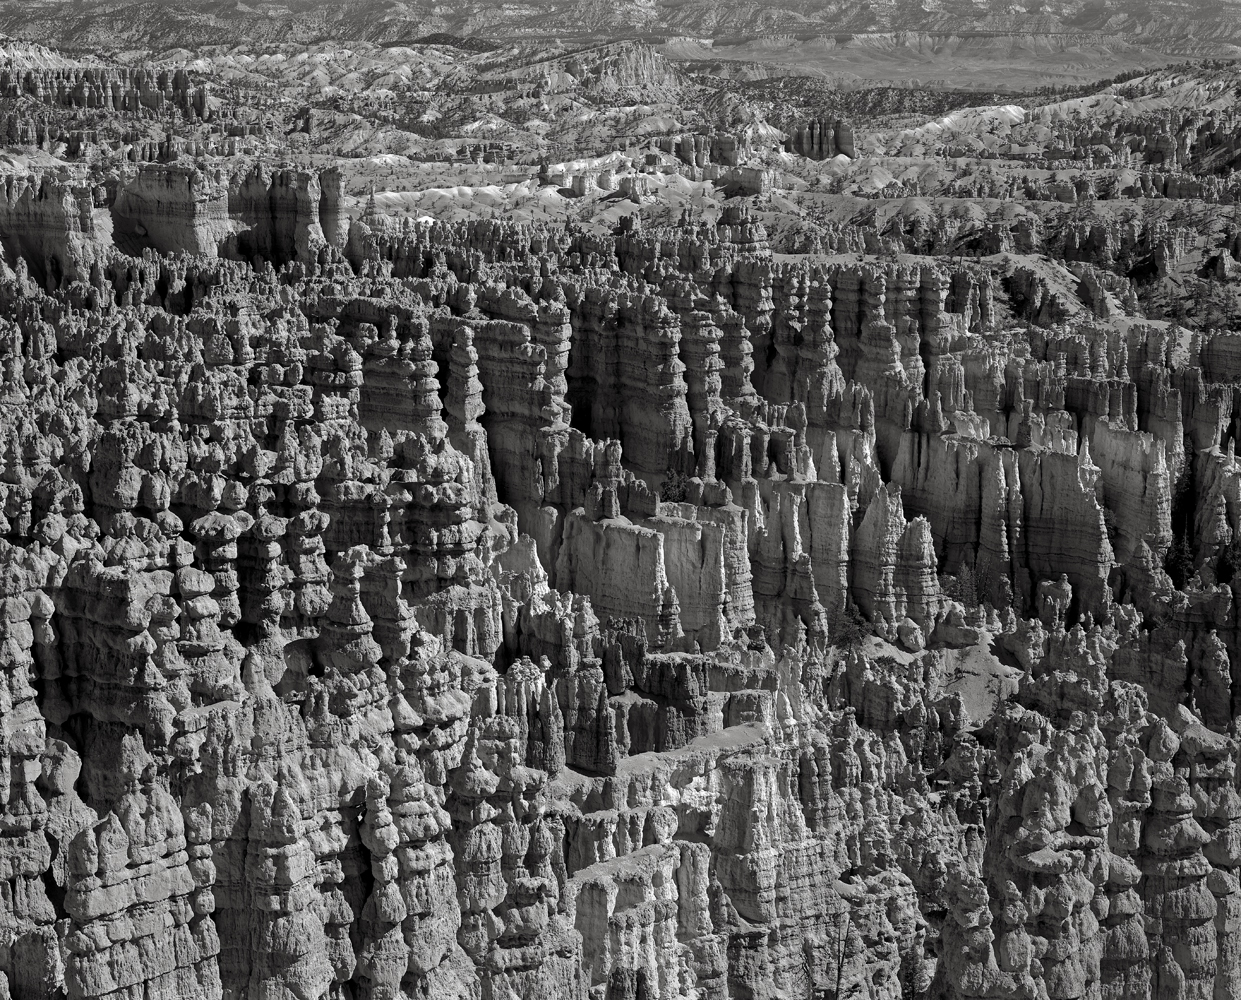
(486, 517)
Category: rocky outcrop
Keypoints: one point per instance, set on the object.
(172, 208)
(285, 214)
(119, 90)
(47, 225)
(822, 139)
(483, 609)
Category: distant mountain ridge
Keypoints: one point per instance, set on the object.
(170, 23)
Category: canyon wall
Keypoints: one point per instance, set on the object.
(488, 609)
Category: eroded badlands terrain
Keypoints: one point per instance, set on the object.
(494, 523)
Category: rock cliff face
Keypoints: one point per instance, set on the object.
(47, 225)
(253, 212)
(118, 90)
(821, 140)
(493, 610)
(285, 214)
(171, 208)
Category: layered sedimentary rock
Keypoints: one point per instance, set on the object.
(500, 610)
(47, 225)
(822, 139)
(171, 208)
(285, 214)
(50, 223)
(109, 88)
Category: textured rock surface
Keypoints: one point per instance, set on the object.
(170, 208)
(379, 671)
(488, 609)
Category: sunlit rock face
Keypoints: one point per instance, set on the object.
(520, 610)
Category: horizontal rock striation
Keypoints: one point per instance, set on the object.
(487, 609)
